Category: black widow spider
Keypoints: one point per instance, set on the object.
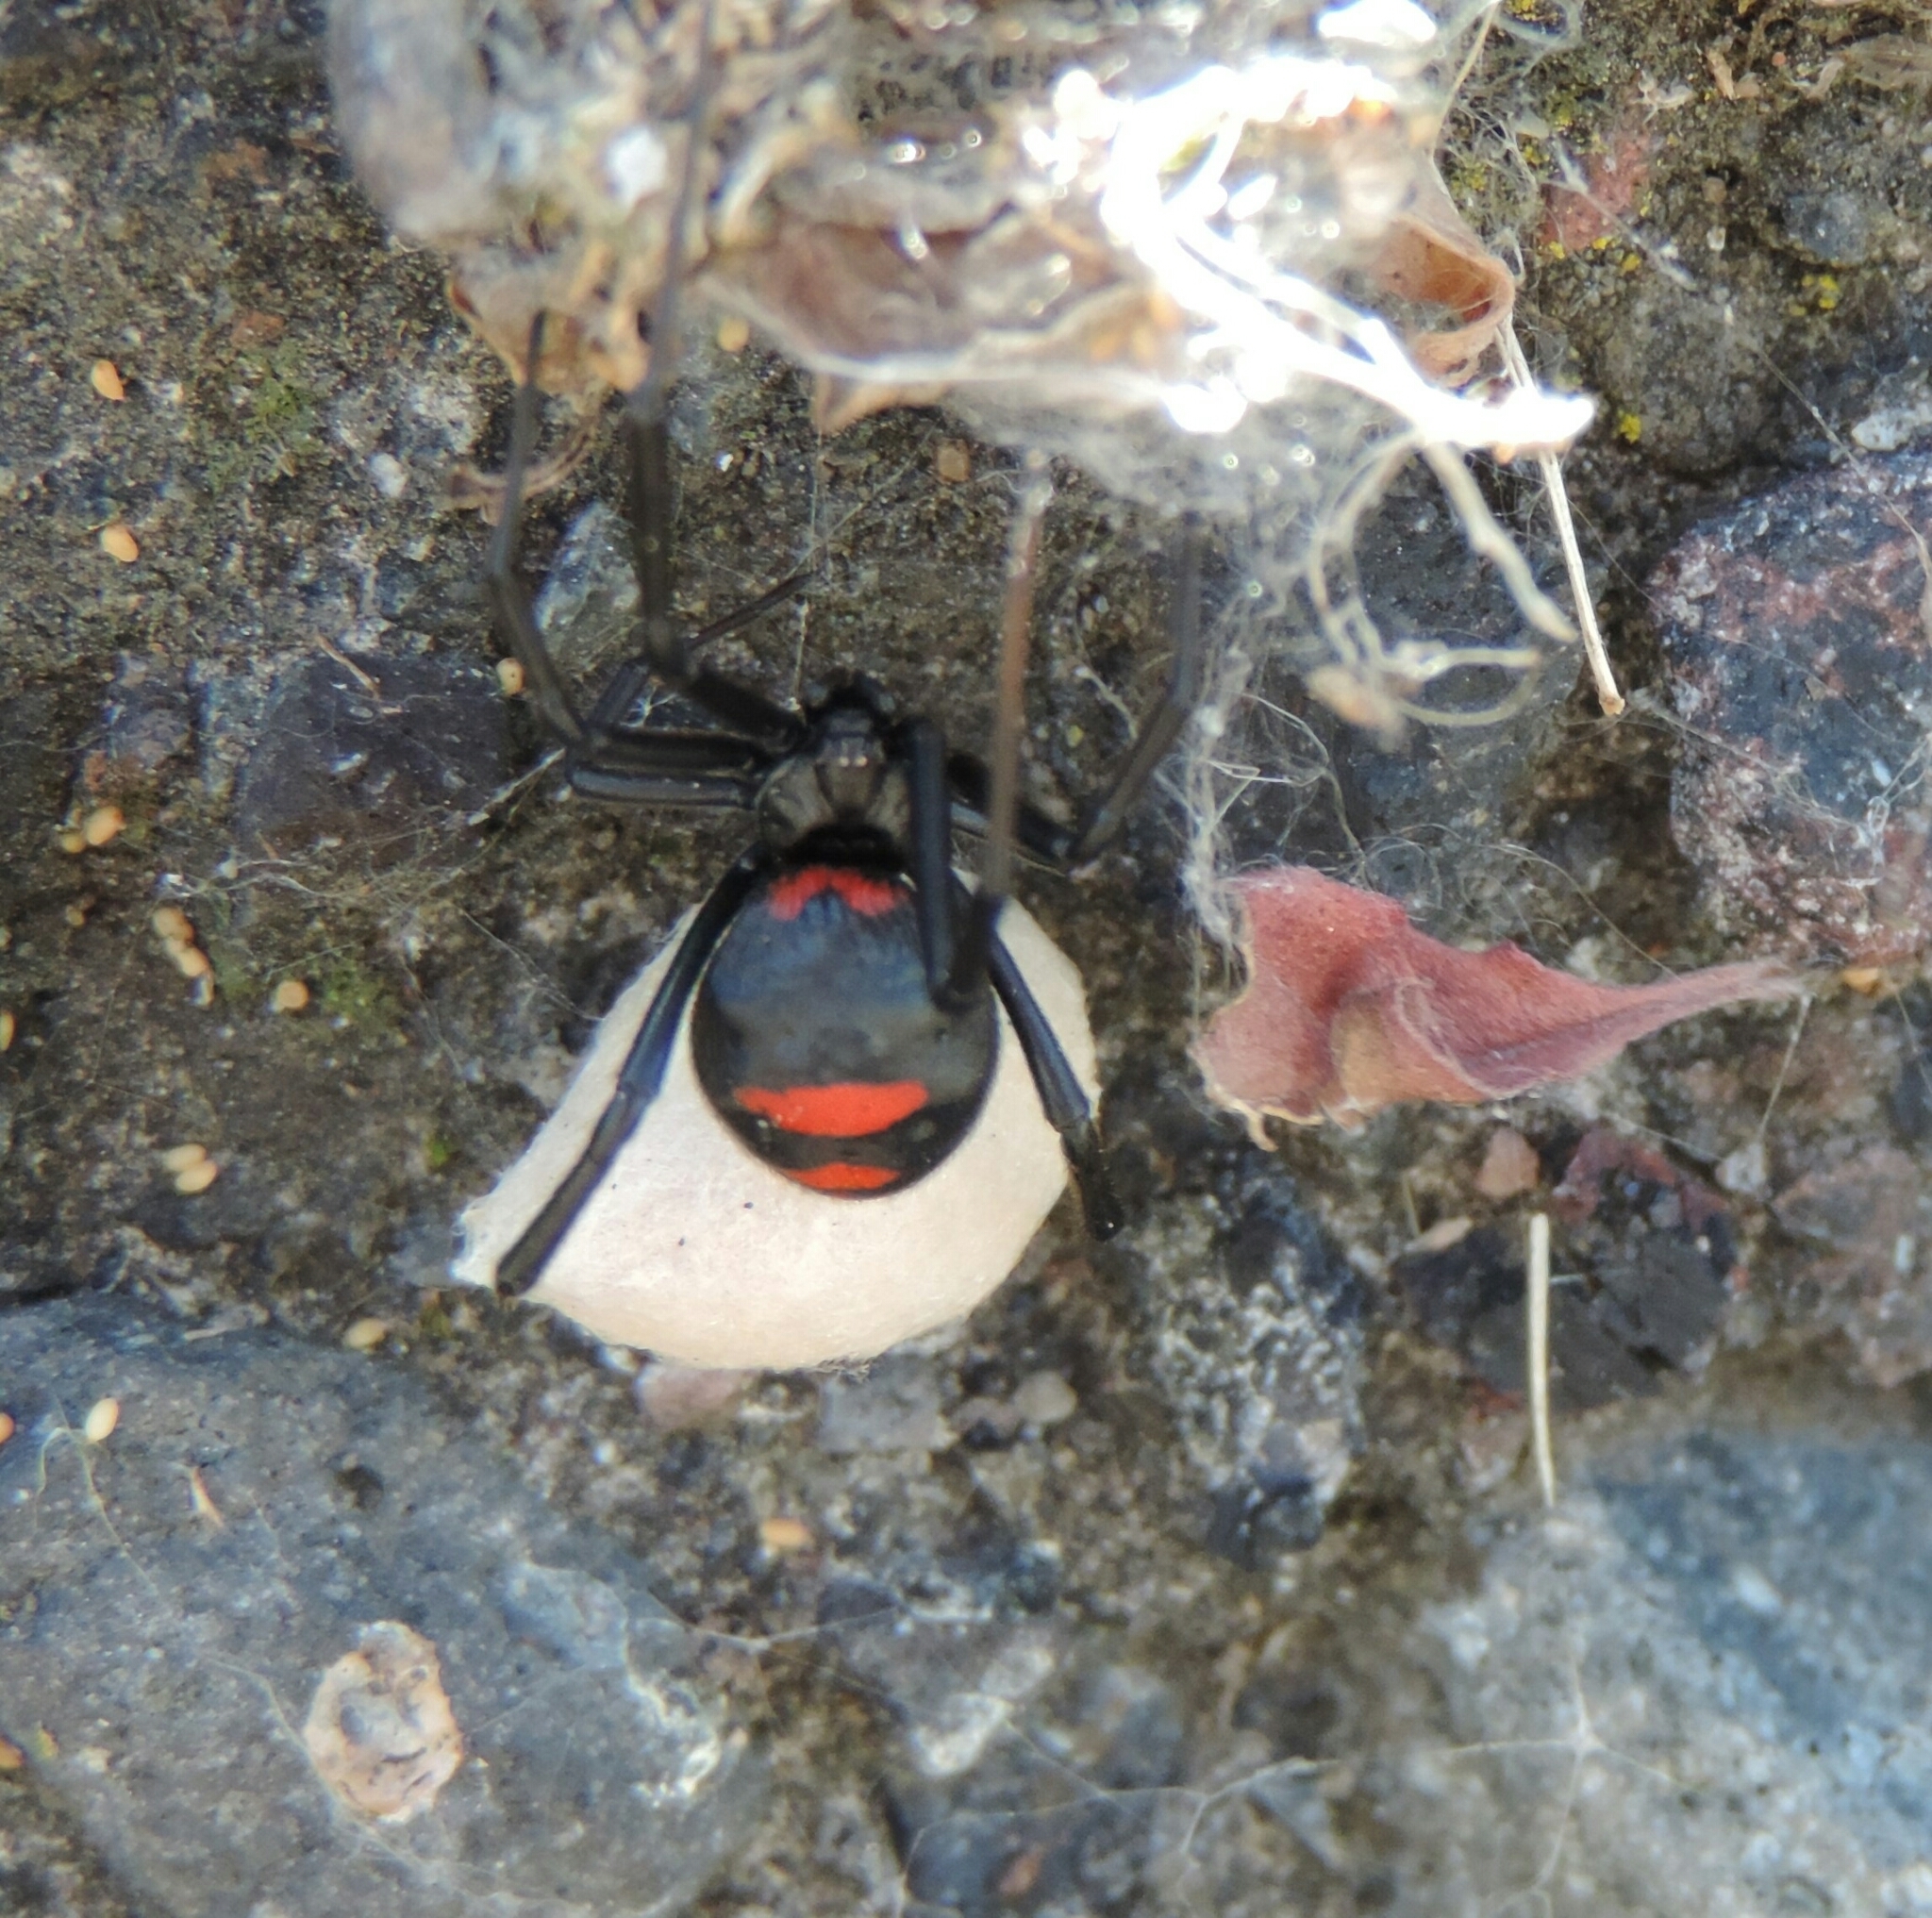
(840, 978)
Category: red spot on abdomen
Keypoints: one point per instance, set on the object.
(859, 891)
(841, 1177)
(851, 1110)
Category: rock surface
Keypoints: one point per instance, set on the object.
(1162, 1586)
(1801, 669)
(180, 1600)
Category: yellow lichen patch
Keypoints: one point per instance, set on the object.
(1629, 428)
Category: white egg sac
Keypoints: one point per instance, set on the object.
(693, 1248)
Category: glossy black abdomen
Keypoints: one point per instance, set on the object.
(817, 1041)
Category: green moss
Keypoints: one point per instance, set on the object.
(274, 410)
(358, 999)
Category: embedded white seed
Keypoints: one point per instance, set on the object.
(173, 924)
(366, 1334)
(180, 1157)
(102, 1417)
(191, 1180)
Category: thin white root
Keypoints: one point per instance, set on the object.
(1551, 466)
(1539, 1292)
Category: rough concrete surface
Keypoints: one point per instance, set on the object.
(1197, 1573)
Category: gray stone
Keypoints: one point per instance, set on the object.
(1259, 1353)
(1699, 1686)
(171, 1596)
(418, 742)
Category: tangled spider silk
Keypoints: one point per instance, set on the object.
(1200, 247)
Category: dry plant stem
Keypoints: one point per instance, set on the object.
(1539, 1300)
(1609, 697)
(1784, 1066)
(1003, 801)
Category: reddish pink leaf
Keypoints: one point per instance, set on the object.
(1350, 1008)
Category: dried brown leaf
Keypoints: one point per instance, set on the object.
(1349, 1009)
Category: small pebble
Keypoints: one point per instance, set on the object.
(193, 1180)
(780, 1536)
(365, 1335)
(108, 382)
(117, 543)
(7, 1028)
(102, 1417)
(733, 334)
(103, 825)
(292, 995)
(173, 924)
(1509, 1165)
(509, 675)
(391, 476)
(7, 1426)
(952, 462)
(1045, 1398)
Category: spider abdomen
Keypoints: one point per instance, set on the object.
(817, 1039)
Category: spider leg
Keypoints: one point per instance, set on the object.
(972, 953)
(647, 443)
(1163, 726)
(648, 767)
(667, 655)
(639, 1081)
(1037, 834)
(1061, 1097)
(935, 893)
(509, 601)
(1065, 848)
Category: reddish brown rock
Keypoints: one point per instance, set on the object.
(1868, 1219)
(1797, 634)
